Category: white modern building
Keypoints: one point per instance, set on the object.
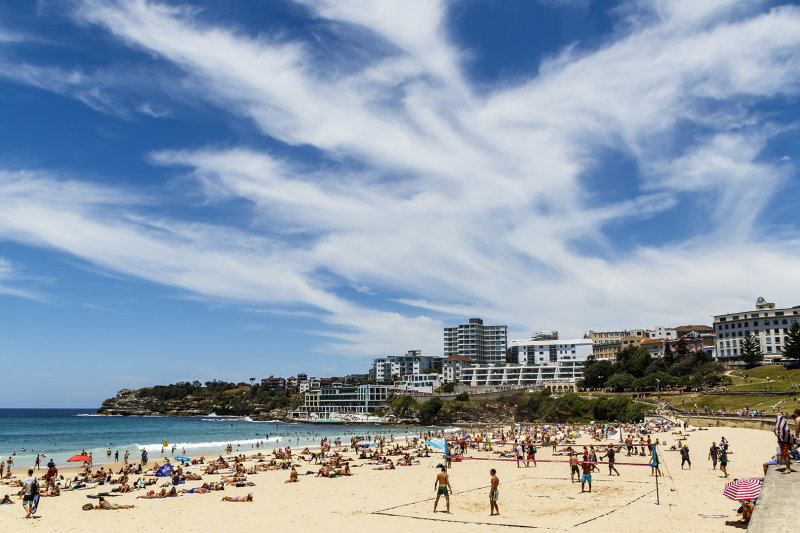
(478, 342)
(386, 369)
(531, 362)
(768, 324)
(660, 332)
(358, 399)
(417, 383)
(548, 351)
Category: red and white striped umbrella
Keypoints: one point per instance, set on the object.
(743, 489)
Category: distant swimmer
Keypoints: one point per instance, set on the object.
(442, 488)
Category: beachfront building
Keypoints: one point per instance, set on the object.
(531, 362)
(387, 369)
(607, 344)
(417, 383)
(479, 342)
(768, 324)
(452, 366)
(357, 399)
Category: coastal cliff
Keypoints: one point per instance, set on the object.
(195, 399)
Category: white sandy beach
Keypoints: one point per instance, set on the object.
(402, 499)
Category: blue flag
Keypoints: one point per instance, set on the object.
(654, 462)
(164, 471)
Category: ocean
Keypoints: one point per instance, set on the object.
(62, 433)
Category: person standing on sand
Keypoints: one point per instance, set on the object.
(31, 488)
(713, 454)
(573, 465)
(587, 473)
(685, 457)
(723, 461)
(494, 494)
(610, 455)
(442, 488)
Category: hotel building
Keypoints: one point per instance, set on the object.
(768, 324)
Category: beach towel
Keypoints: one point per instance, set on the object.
(782, 430)
(164, 471)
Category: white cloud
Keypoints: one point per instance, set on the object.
(462, 203)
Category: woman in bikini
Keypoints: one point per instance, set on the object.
(248, 498)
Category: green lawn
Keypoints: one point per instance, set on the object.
(730, 403)
(780, 379)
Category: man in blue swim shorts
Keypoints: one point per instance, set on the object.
(587, 475)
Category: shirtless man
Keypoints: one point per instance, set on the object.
(573, 465)
(442, 488)
(611, 455)
(587, 473)
(494, 494)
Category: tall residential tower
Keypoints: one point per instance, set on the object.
(482, 344)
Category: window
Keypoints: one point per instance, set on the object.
(746, 324)
(784, 321)
(755, 322)
(769, 340)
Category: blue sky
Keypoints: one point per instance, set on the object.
(238, 189)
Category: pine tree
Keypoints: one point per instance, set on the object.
(751, 350)
(791, 344)
(681, 348)
(669, 357)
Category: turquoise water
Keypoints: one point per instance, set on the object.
(61, 433)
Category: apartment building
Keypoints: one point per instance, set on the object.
(358, 399)
(479, 342)
(768, 324)
(386, 369)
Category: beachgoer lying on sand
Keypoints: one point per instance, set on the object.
(6, 499)
(247, 498)
(197, 490)
(103, 504)
(55, 491)
(343, 471)
(153, 495)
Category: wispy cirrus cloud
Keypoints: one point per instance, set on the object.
(444, 200)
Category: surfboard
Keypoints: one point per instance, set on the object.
(35, 504)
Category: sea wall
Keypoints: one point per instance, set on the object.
(765, 424)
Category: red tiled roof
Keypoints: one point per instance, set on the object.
(457, 357)
(652, 341)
